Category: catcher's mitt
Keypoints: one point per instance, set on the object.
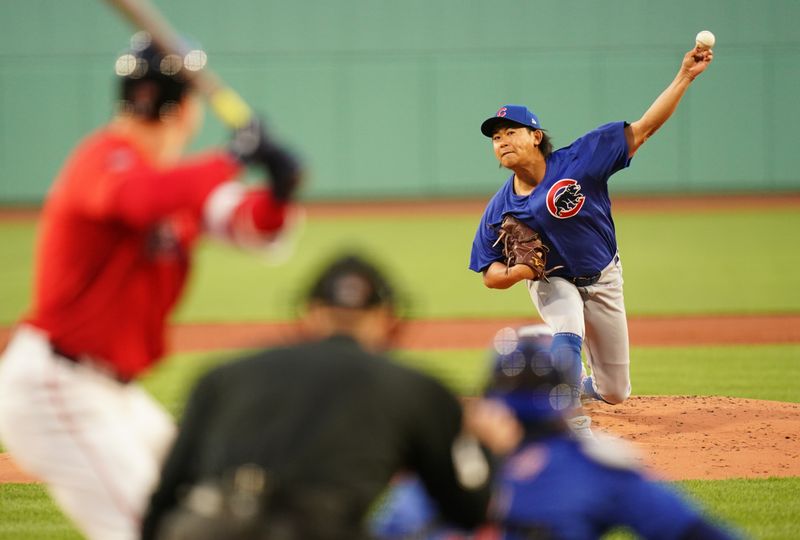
(523, 245)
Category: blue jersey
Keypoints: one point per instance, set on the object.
(558, 488)
(570, 207)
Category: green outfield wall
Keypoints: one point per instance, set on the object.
(384, 98)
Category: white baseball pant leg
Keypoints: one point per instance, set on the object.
(97, 443)
(596, 314)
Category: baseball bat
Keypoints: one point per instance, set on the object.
(226, 103)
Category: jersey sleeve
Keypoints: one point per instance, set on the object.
(484, 252)
(138, 194)
(604, 150)
(242, 215)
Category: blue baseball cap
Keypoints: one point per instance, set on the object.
(518, 114)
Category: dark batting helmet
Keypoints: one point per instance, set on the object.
(524, 376)
(153, 83)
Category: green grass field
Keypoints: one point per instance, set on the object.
(737, 262)
(764, 509)
(675, 263)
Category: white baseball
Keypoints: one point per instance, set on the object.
(705, 39)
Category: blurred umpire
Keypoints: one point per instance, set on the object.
(297, 442)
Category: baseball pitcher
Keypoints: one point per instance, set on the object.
(550, 225)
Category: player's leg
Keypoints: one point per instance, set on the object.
(69, 426)
(560, 306)
(607, 345)
(118, 470)
(153, 424)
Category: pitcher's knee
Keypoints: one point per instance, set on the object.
(615, 396)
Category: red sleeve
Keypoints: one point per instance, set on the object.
(260, 211)
(141, 194)
(108, 178)
(147, 195)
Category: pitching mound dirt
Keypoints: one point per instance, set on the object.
(705, 437)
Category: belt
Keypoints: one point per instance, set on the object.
(87, 361)
(584, 281)
(587, 281)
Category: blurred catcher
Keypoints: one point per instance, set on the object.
(297, 442)
(553, 484)
(114, 251)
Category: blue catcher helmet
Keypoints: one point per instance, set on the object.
(524, 376)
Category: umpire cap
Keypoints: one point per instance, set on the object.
(351, 281)
(153, 83)
(524, 376)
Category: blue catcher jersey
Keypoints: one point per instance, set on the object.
(557, 488)
(570, 207)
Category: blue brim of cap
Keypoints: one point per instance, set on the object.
(489, 125)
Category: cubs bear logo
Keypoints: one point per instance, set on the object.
(565, 199)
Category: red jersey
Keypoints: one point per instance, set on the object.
(114, 249)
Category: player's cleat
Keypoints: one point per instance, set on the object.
(581, 426)
(587, 391)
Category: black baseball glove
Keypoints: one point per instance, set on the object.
(252, 145)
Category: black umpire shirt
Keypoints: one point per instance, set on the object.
(322, 417)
